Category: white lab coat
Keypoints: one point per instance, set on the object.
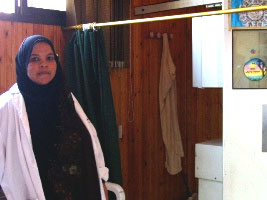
(19, 175)
(168, 111)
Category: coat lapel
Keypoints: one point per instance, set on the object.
(19, 104)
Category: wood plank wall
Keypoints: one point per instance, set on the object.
(11, 36)
(135, 92)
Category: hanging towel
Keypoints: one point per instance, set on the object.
(168, 111)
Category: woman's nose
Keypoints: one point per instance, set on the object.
(43, 64)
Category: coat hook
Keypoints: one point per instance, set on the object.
(159, 35)
(151, 34)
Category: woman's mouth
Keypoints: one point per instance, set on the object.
(43, 73)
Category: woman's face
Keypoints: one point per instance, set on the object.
(42, 65)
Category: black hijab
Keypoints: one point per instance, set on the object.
(29, 89)
(62, 146)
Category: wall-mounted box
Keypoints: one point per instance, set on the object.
(207, 46)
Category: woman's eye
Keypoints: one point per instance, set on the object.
(34, 59)
(51, 58)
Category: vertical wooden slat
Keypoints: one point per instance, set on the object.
(8, 54)
(191, 116)
(125, 89)
(5, 56)
(3, 78)
(14, 49)
(59, 42)
(19, 34)
(135, 143)
(38, 29)
(49, 32)
(146, 164)
(27, 30)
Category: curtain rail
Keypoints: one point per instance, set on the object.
(182, 16)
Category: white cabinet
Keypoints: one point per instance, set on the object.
(207, 47)
(209, 170)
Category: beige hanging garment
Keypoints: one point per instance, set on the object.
(168, 111)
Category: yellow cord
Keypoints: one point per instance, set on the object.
(182, 16)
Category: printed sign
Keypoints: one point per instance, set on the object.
(255, 69)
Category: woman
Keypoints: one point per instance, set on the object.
(48, 147)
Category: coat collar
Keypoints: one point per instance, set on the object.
(14, 89)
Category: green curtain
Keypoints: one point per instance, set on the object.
(87, 75)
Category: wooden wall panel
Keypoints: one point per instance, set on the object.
(199, 110)
(11, 36)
